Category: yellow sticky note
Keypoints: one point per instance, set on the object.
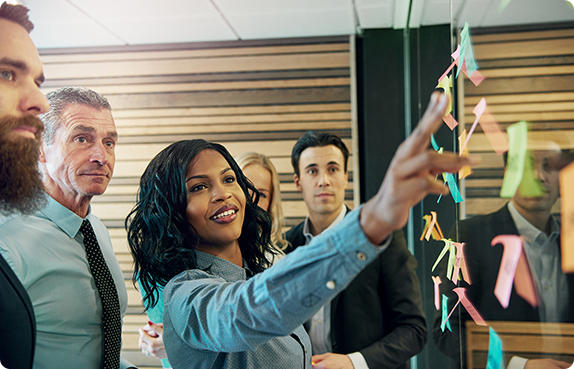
(517, 143)
(567, 218)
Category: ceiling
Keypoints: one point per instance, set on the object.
(85, 23)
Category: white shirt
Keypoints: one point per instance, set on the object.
(320, 331)
(542, 252)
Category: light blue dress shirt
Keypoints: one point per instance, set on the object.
(215, 317)
(46, 251)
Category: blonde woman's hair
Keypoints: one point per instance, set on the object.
(275, 209)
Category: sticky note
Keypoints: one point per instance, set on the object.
(567, 218)
(436, 281)
(530, 185)
(444, 316)
(523, 282)
(455, 56)
(450, 121)
(433, 143)
(510, 255)
(494, 350)
(450, 180)
(446, 248)
(493, 133)
(466, 52)
(478, 110)
(451, 259)
(460, 264)
(466, 170)
(517, 143)
(474, 314)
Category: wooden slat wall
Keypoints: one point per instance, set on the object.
(249, 96)
(529, 76)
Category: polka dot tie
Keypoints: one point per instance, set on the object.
(111, 318)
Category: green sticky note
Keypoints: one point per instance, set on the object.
(530, 186)
(517, 144)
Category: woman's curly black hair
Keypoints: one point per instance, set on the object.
(161, 240)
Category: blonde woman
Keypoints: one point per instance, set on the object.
(259, 169)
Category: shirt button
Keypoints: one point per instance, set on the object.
(331, 285)
(361, 256)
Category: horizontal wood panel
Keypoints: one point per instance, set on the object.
(268, 110)
(527, 71)
(199, 86)
(523, 49)
(521, 98)
(188, 54)
(511, 85)
(233, 119)
(515, 36)
(231, 98)
(203, 65)
(227, 128)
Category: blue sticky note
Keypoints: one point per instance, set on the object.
(494, 351)
(444, 321)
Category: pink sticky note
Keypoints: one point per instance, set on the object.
(475, 78)
(436, 281)
(512, 250)
(460, 264)
(431, 226)
(455, 57)
(493, 132)
(474, 314)
(450, 121)
(478, 110)
(523, 283)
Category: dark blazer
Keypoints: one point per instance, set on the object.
(483, 262)
(380, 313)
(18, 338)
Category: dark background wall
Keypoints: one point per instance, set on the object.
(381, 116)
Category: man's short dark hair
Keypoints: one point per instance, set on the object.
(17, 14)
(314, 139)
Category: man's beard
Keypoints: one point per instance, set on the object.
(21, 189)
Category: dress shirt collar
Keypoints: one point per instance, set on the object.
(64, 218)
(220, 267)
(530, 232)
(307, 225)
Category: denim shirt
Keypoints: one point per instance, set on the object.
(215, 317)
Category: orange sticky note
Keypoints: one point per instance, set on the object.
(492, 130)
(567, 217)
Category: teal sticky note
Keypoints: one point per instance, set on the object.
(494, 351)
(517, 144)
(433, 142)
(453, 188)
(444, 317)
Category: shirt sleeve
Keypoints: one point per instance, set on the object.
(358, 360)
(517, 362)
(209, 313)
